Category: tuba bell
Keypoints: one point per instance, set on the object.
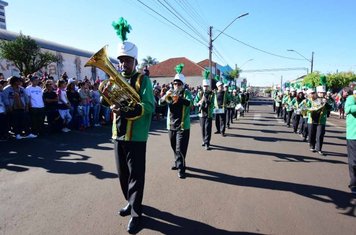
(114, 90)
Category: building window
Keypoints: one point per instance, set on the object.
(2, 13)
(2, 20)
(1, 7)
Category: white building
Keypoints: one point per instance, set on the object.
(3, 4)
(72, 60)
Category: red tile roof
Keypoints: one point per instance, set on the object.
(167, 68)
(205, 63)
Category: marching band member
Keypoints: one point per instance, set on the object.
(296, 110)
(205, 101)
(236, 100)
(304, 112)
(350, 111)
(289, 106)
(130, 130)
(220, 101)
(179, 101)
(318, 107)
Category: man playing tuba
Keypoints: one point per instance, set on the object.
(130, 129)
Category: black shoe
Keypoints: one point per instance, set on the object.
(203, 144)
(217, 132)
(223, 134)
(125, 211)
(313, 150)
(207, 147)
(321, 153)
(134, 225)
(174, 168)
(304, 139)
(181, 175)
(353, 190)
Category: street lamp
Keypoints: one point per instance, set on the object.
(211, 40)
(245, 63)
(310, 61)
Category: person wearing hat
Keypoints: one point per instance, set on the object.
(235, 99)
(296, 110)
(318, 108)
(220, 101)
(36, 106)
(130, 129)
(179, 100)
(289, 107)
(204, 100)
(303, 106)
(350, 111)
(278, 104)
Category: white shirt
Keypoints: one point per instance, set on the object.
(35, 95)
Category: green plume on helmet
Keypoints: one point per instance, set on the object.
(179, 68)
(206, 74)
(217, 78)
(287, 84)
(308, 85)
(323, 80)
(122, 28)
(298, 86)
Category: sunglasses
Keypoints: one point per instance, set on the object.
(177, 83)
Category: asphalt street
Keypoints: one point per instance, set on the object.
(259, 179)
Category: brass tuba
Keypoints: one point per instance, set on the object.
(114, 90)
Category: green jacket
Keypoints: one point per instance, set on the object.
(136, 128)
(317, 116)
(304, 107)
(210, 104)
(287, 101)
(350, 110)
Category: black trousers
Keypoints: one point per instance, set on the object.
(279, 111)
(205, 125)
(19, 121)
(274, 106)
(296, 120)
(131, 165)
(289, 117)
(4, 125)
(179, 144)
(284, 115)
(37, 120)
(305, 130)
(351, 153)
(316, 136)
(230, 115)
(220, 122)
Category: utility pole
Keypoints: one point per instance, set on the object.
(210, 54)
(312, 62)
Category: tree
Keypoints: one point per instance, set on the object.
(335, 81)
(235, 73)
(26, 54)
(148, 61)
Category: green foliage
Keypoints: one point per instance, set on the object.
(235, 73)
(122, 28)
(148, 61)
(26, 54)
(334, 81)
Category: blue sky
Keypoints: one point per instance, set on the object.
(326, 27)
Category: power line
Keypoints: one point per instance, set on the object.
(172, 23)
(269, 53)
(182, 19)
(270, 70)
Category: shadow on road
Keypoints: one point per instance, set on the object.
(342, 200)
(167, 223)
(282, 156)
(57, 154)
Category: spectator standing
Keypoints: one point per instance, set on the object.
(3, 117)
(36, 105)
(74, 100)
(63, 105)
(50, 99)
(96, 104)
(16, 102)
(85, 98)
